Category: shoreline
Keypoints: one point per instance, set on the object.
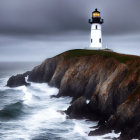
(110, 81)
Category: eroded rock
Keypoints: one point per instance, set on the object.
(78, 108)
(18, 80)
(109, 80)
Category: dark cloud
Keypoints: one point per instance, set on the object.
(55, 16)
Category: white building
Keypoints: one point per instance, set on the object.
(96, 30)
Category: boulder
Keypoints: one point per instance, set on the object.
(78, 108)
(18, 80)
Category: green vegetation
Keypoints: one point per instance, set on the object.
(107, 54)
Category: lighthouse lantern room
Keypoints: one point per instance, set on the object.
(96, 30)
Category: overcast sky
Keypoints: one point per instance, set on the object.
(23, 23)
(54, 16)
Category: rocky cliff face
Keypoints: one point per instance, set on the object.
(110, 81)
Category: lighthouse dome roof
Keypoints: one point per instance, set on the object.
(96, 11)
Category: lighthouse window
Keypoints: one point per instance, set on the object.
(91, 40)
(100, 40)
(96, 26)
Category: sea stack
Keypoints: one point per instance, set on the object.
(96, 30)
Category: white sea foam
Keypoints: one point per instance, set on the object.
(87, 101)
(111, 135)
(83, 127)
(44, 116)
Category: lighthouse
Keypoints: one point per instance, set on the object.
(96, 30)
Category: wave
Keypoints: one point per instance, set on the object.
(12, 111)
(31, 113)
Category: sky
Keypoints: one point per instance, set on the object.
(32, 30)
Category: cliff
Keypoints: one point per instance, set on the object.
(110, 81)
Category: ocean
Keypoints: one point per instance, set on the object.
(29, 113)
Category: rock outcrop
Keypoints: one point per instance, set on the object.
(110, 81)
(18, 80)
(78, 108)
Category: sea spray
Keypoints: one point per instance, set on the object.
(37, 116)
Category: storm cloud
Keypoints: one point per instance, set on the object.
(33, 30)
(58, 16)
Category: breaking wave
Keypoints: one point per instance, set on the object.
(29, 113)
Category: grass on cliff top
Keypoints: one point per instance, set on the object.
(107, 54)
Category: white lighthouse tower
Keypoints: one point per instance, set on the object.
(96, 30)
